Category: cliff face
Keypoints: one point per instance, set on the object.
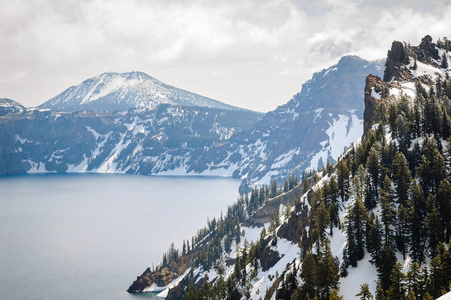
(375, 94)
(405, 66)
(396, 57)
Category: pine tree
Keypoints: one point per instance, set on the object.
(335, 295)
(305, 186)
(425, 176)
(416, 232)
(433, 228)
(373, 167)
(416, 200)
(356, 221)
(380, 293)
(438, 170)
(401, 177)
(365, 293)
(286, 186)
(375, 241)
(439, 278)
(343, 179)
(328, 272)
(415, 281)
(384, 268)
(402, 230)
(309, 276)
(444, 207)
(388, 216)
(322, 220)
(444, 63)
(273, 189)
(397, 289)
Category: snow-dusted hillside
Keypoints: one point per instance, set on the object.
(10, 106)
(168, 140)
(373, 230)
(121, 91)
(317, 124)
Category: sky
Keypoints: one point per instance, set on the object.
(249, 53)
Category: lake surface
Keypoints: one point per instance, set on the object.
(87, 236)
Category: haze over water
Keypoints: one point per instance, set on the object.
(87, 236)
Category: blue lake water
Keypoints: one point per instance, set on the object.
(87, 236)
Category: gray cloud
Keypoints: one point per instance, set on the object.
(249, 53)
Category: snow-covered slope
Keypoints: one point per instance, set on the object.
(291, 232)
(10, 106)
(168, 140)
(314, 126)
(121, 91)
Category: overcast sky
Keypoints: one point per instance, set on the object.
(254, 54)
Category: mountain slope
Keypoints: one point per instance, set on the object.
(314, 126)
(121, 91)
(165, 140)
(8, 106)
(380, 214)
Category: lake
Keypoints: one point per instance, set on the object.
(87, 236)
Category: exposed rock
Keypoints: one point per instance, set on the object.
(396, 57)
(269, 258)
(371, 103)
(141, 282)
(294, 229)
(428, 50)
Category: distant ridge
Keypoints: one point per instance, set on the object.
(121, 91)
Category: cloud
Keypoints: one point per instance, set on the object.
(260, 51)
(15, 77)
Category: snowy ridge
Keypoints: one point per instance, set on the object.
(121, 91)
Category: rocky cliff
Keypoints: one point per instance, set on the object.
(406, 66)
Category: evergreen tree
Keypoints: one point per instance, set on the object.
(424, 173)
(388, 216)
(322, 220)
(305, 186)
(335, 295)
(438, 170)
(401, 177)
(373, 167)
(444, 207)
(365, 293)
(439, 279)
(414, 158)
(397, 289)
(356, 221)
(328, 272)
(416, 200)
(402, 230)
(415, 281)
(384, 268)
(286, 186)
(444, 63)
(343, 179)
(375, 241)
(433, 228)
(273, 189)
(416, 236)
(309, 277)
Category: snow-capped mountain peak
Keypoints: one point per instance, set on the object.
(120, 91)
